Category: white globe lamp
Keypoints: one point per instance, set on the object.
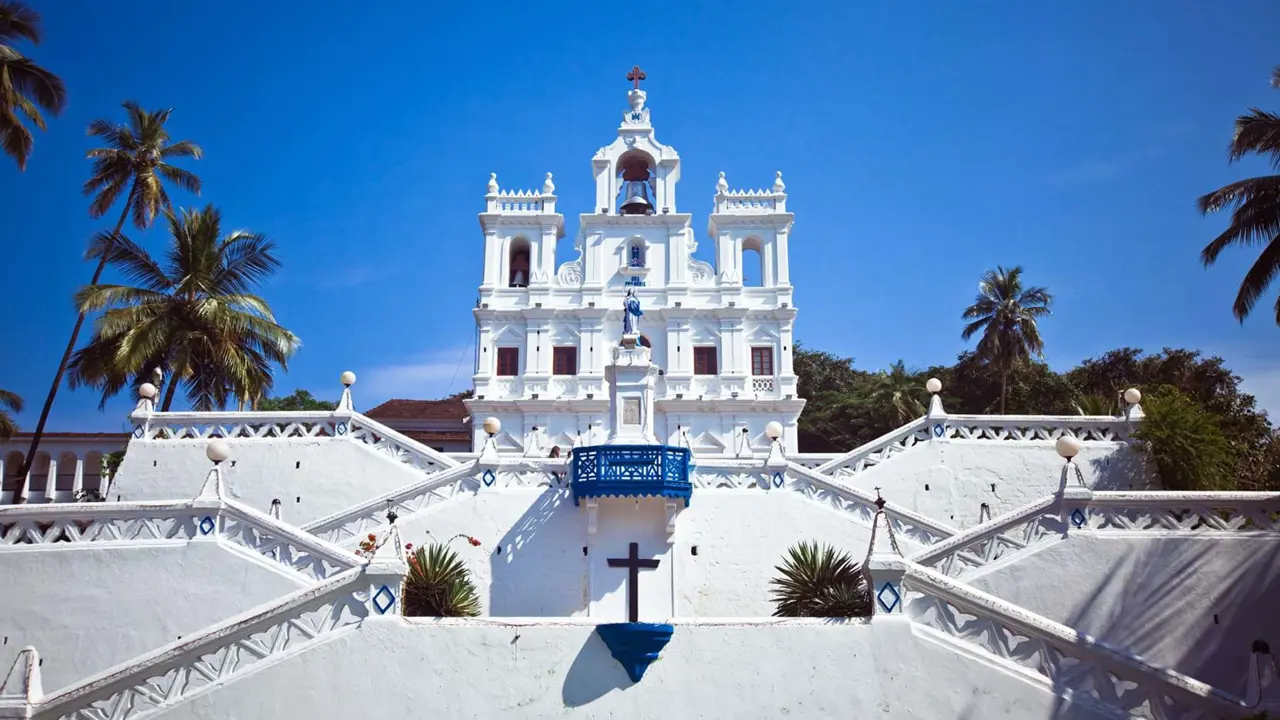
(147, 390)
(492, 425)
(773, 430)
(348, 379)
(1133, 396)
(1067, 446)
(218, 451)
(934, 386)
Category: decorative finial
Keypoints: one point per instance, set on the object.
(636, 75)
(778, 185)
(391, 512)
(879, 500)
(548, 187)
(493, 183)
(722, 185)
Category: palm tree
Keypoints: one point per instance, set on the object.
(901, 391)
(25, 87)
(191, 313)
(9, 402)
(1007, 314)
(1254, 204)
(133, 161)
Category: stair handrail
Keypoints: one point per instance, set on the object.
(884, 441)
(1171, 684)
(132, 673)
(327, 528)
(909, 524)
(936, 555)
(405, 442)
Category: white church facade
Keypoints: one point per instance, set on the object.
(251, 565)
(722, 350)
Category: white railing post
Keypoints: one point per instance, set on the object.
(22, 687)
(208, 505)
(939, 430)
(385, 575)
(884, 567)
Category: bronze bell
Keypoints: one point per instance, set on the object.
(637, 202)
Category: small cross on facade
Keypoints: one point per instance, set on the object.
(633, 563)
(636, 75)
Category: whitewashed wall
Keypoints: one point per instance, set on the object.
(541, 570)
(89, 608)
(312, 477)
(948, 482)
(827, 670)
(1192, 604)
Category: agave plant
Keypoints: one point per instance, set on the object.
(439, 584)
(819, 581)
(1095, 405)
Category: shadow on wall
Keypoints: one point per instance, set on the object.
(593, 674)
(1194, 605)
(538, 569)
(1125, 469)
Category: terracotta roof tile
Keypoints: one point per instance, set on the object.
(426, 438)
(451, 409)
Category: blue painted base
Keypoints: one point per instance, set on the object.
(635, 645)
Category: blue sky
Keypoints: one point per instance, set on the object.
(921, 143)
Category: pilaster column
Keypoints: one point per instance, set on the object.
(783, 261)
(78, 483)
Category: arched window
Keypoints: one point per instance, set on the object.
(12, 474)
(93, 472)
(752, 262)
(518, 263)
(40, 477)
(64, 484)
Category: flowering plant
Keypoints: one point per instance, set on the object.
(438, 583)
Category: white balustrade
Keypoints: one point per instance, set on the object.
(762, 385)
(1025, 428)
(861, 505)
(147, 522)
(197, 426)
(879, 450)
(997, 539)
(222, 652)
(1068, 662)
(1198, 513)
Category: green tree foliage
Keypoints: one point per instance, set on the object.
(191, 313)
(901, 392)
(1007, 315)
(818, 581)
(1255, 207)
(25, 87)
(9, 402)
(300, 400)
(1185, 442)
(858, 409)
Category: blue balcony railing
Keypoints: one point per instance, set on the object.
(630, 471)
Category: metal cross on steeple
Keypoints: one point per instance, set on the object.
(636, 75)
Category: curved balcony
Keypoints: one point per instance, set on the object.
(630, 471)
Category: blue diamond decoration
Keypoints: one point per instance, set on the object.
(777, 480)
(383, 600)
(1078, 517)
(342, 428)
(937, 430)
(488, 477)
(207, 525)
(892, 593)
(138, 432)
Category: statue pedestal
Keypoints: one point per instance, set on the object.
(631, 377)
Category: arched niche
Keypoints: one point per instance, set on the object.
(753, 265)
(13, 471)
(518, 262)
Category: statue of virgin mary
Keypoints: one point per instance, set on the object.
(631, 314)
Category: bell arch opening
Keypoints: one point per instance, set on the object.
(753, 274)
(637, 190)
(518, 263)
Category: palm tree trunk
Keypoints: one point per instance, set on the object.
(1004, 384)
(169, 393)
(71, 347)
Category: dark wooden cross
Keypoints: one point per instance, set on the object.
(633, 563)
(636, 75)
